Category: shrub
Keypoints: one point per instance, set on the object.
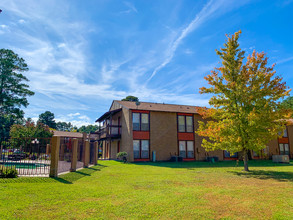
(122, 156)
(8, 172)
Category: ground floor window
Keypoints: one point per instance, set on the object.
(227, 154)
(255, 154)
(186, 149)
(284, 149)
(141, 149)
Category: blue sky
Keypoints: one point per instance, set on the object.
(84, 54)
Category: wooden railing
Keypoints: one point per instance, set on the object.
(110, 131)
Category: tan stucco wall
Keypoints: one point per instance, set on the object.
(163, 135)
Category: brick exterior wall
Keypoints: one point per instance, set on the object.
(290, 136)
(163, 135)
(126, 143)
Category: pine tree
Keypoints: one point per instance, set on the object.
(13, 90)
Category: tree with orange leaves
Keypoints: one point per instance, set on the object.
(246, 112)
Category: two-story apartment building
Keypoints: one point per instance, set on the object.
(145, 130)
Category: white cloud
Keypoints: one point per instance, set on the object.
(61, 45)
(188, 51)
(84, 117)
(131, 8)
(285, 60)
(3, 26)
(73, 114)
(21, 21)
(73, 119)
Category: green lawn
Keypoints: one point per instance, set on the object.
(188, 190)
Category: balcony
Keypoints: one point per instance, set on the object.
(110, 131)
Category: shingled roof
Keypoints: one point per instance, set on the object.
(158, 107)
(68, 134)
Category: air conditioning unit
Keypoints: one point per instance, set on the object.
(280, 158)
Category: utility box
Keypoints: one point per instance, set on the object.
(154, 156)
(280, 159)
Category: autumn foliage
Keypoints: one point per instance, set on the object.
(246, 112)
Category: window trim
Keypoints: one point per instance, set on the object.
(140, 114)
(140, 149)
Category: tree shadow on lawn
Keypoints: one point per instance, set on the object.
(266, 174)
(223, 164)
(68, 178)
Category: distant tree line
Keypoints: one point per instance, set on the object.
(48, 118)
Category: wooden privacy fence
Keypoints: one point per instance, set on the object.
(71, 154)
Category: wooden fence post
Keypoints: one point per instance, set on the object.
(86, 154)
(54, 156)
(74, 155)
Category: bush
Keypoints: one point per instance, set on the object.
(122, 156)
(8, 172)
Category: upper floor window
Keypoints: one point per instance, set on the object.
(140, 121)
(285, 133)
(185, 123)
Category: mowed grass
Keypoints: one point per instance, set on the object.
(189, 190)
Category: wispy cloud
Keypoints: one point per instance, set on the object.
(77, 73)
(284, 60)
(204, 14)
(131, 8)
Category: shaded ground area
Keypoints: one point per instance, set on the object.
(191, 190)
(203, 164)
(68, 178)
(266, 174)
(64, 166)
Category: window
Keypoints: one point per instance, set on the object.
(181, 123)
(185, 123)
(136, 149)
(141, 149)
(140, 121)
(284, 149)
(186, 149)
(144, 122)
(285, 133)
(136, 121)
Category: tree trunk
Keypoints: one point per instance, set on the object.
(245, 160)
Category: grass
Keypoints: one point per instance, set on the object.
(189, 190)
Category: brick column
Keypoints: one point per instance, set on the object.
(86, 154)
(48, 149)
(96, 151)
(74, 155)
(62, 152)
(54, 156)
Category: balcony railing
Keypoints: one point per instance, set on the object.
(110, 131)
